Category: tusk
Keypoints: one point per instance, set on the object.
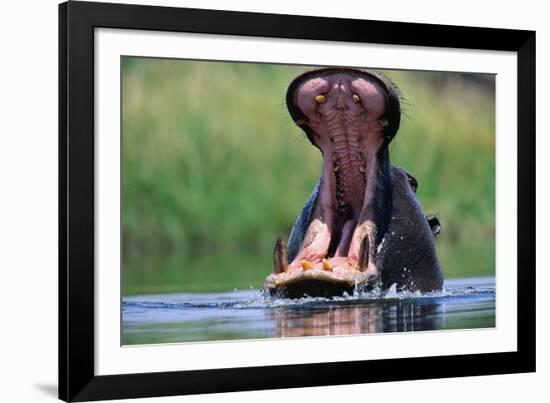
(280, 257)
(364, 254)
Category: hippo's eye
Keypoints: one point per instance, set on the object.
(356, 98)
(413, 183)
(320, 99)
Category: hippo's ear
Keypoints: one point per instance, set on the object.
(435, 225)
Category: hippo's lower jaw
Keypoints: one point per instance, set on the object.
(316, 282)
(331, 277)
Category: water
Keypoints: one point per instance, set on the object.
(247, 314)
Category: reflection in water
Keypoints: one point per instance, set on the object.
(394, 316)
(291, 322)
(176, 318)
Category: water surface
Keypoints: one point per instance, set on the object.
(248, 314)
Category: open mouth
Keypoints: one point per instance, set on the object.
(350, 116)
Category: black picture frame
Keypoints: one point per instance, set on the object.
(77, 379)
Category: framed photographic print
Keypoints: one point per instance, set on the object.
(260, 201)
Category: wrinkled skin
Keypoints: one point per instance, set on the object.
(362, 224)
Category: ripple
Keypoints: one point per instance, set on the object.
(255, 299)
(252, 314)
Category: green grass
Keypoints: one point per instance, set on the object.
(214, 170)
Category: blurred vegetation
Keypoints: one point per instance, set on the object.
(214, 169)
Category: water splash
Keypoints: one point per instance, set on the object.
(259, 298)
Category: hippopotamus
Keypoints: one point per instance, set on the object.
(362, 225)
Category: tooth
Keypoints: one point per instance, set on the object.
(364, 254)
(326, 265)
(320, 99)
(383, 122)
(280, 257)
(306, 265)
(356, 98)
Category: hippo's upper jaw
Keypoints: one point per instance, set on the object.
(350, 115)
